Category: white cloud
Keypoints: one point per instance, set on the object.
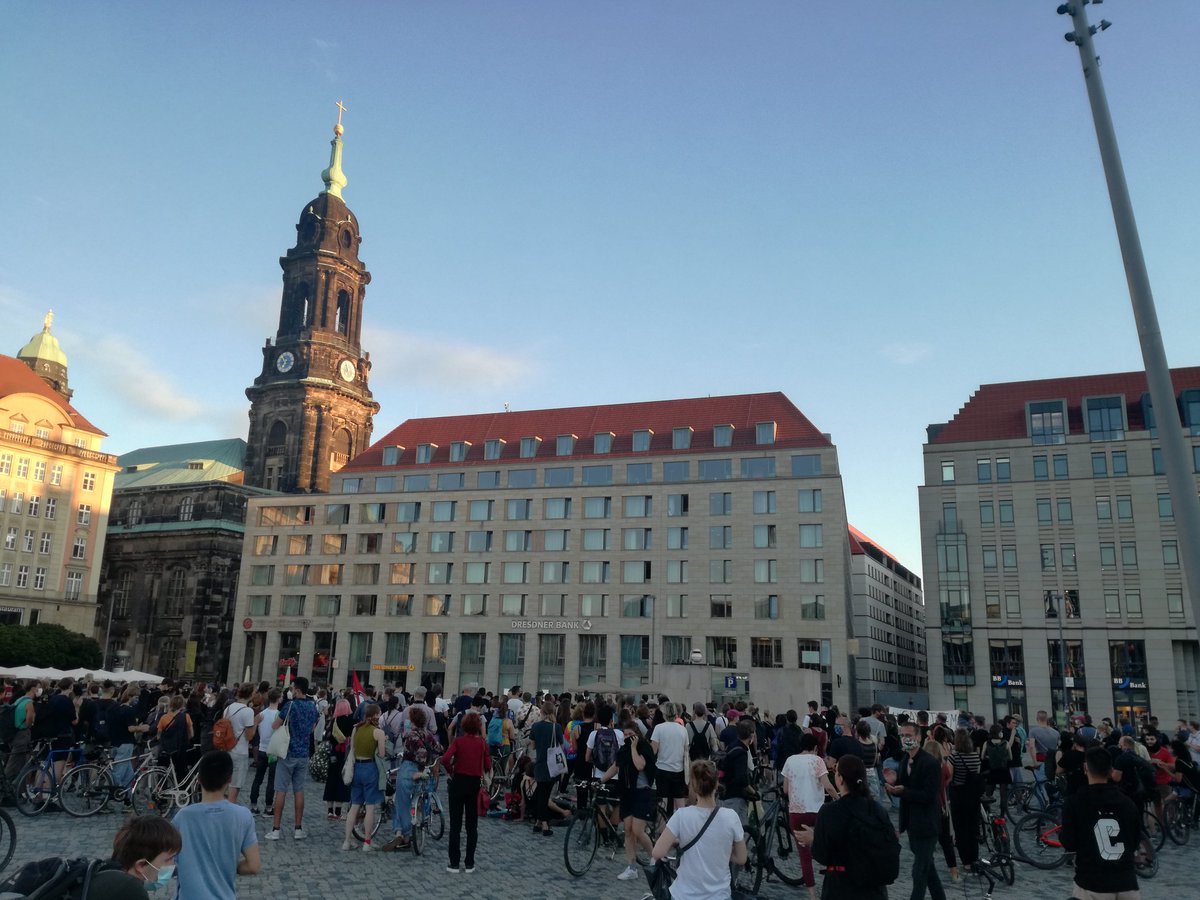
(907, 354)
(445, 364)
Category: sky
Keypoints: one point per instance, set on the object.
(874, 208)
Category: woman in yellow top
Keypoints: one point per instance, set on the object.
(366, 743)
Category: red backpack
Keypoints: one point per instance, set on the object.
(223, 737)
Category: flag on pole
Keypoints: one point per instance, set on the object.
(356, 686)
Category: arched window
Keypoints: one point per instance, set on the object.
(185, 509)
(121, 594)
(135, 512)
(341, 324)
(343, 447)
(176, 592)
(277, 439)
(301, 307)
(168, 656)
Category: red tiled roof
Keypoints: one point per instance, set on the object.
(857, 539)
(18, 378)
(742, 411)
(996, 412)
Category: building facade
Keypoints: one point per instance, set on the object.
(1048, 536)
(560, 548)
(888, 610)
(55, 487)
(310, 407)
(172, 558)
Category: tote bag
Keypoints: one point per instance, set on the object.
(277, 747)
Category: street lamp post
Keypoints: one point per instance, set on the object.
(1059, 600)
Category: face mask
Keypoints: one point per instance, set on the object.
(908, 743)
(163, 879)
(38, 692)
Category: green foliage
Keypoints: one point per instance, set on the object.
(48, 645)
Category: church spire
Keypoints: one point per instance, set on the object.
(334, 177)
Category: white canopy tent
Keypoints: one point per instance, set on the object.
(94, 674)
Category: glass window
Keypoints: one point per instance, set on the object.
(677, 471)
(1064, 509)
(512, 604)
(1129, 554)
(391, 455)
(766, 607)
(1156, 459)
(716, 469)
(593, 605)
(1047, 422)
(720, 606)
(987, 513)
(992, 605)
(560, 477)
(720, 571)
(641, 440)
(564, 445)
(764, 536)
(1175, 602)
(425, 452)
(1133, 603)
(439, 573)
(1060, 466)
(552, 604)
(764, 433)
(1006, 512)
(597, 475)
(677, 571)
(437, 604)
(1108, 555)
(1103, 509)
(1105, 418)
(489, 478)
(595, 572)
(1120, 465)
(636, 538)
(1008, 554)
(402, 573)
(558, 508)
(811, 536)
(949, 517)
(493, 448)
(1170, 553)
(515, 572)
(1099, 465)
(597, 507)
(479, 541)
(1125, 508)
(1112, 603)
(635, 571)
(556, 572)
(720, 504)
(1003, 469)
(529, 447)
(522, 478)
(989, 557)
(1012, 604)
(1040, 470)
(596, 539)
(458, 450)
(480, 510)
(947, 471)
(758, 467)
(681, 438)
(677, 609)
(812, 606)
(638, 507)
(983, 470)
(555, 539)
(722, 435)
(809, 500)
(812, 571)
(443, 510)
(764, 503)
(720, 537)
(404, 542)
(602, 442)
(1165, 510)
(450, 481)
(677, 505)
(637, 606)
(806, 465)
(414, 483)
(517, 541)
(441, 542)
(516, 510)
(408, 512)
(1068, 556)
(1044, 511)
(638, 473)
(765, 571)
(1048, 557)
(677, 538)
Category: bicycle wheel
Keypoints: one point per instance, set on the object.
(580, 844)
(1154, 829)
(1037, 841)
(437, 820)
(785, 854)
(419, 827)
(8, 839)
(748, 876)
(153, 793)
(1145, 858)
(1174, 820)
(384, 811)
(85, 790)
(32, 785)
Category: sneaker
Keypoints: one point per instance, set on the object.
(254, 810)
(367, 848)
(629, 874)
(268, 812)
(346, 845)
(399, 842)
(273, 834)
(299, 835)
(453, 870)
(469, 870)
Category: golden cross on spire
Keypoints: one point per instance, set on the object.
(49, 318)
(337, 129)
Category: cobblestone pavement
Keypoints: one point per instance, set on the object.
(315, 868)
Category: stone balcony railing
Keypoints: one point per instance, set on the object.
(29, 440)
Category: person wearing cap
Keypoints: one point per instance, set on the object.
(418, 702)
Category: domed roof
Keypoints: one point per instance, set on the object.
(44, 346)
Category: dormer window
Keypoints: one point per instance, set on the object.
(564, 445)
(1104, 418)
(529, 447)
(641, 440)
(459, 450)
(1047, 422)
(764, 433)
(425, 452)
(603, 442)
(681, 438)
(722, 435)
(493, 448)
(391, 455)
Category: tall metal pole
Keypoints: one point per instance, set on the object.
(1061, 608)
(1178, 467)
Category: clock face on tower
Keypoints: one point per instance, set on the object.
(285, 361)
(346, 369)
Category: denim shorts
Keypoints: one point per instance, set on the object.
(364, 789)
(290, 774)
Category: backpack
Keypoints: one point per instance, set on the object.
(55, 878)
(997, 756)
(100, 720)
(699, 747)
(8, 722)
(876, 852)
(495, 731)
(174, 736)
(604, 749)
(223, 736)
(43, 721)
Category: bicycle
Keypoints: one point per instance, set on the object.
(157, 791)
(89, 789)
(387, 809)
(994, 836)
(592, 828)
(427, 815)
(771, 847)
(1179, 817)
(37, 784)
(1038, 841)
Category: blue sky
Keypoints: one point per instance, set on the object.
(872, 207)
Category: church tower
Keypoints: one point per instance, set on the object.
(44, 355)
(311, 408)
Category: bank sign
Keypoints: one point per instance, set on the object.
(552, 624)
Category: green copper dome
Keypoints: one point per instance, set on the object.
(44, 346)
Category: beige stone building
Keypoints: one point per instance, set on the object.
(559, 548)
(55, 487)
(1047, 532)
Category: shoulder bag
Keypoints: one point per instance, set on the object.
(281, 739)
(348, 763)
(556, 757)
(660, 876)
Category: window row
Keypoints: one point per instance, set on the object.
(23, 468)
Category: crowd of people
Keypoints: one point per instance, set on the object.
(703, 763)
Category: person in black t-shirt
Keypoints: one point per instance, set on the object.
(1102, 827)
(1070, 763)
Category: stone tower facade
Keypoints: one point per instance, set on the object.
(310, 407)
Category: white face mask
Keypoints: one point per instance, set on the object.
(909, 743)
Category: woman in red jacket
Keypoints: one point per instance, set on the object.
(466, 760)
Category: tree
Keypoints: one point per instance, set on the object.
(48, 645)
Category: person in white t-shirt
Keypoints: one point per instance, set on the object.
(265, 722)
(806, 780)
(241, 717)
(514, 701)
(702, 871)
(669, 740)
